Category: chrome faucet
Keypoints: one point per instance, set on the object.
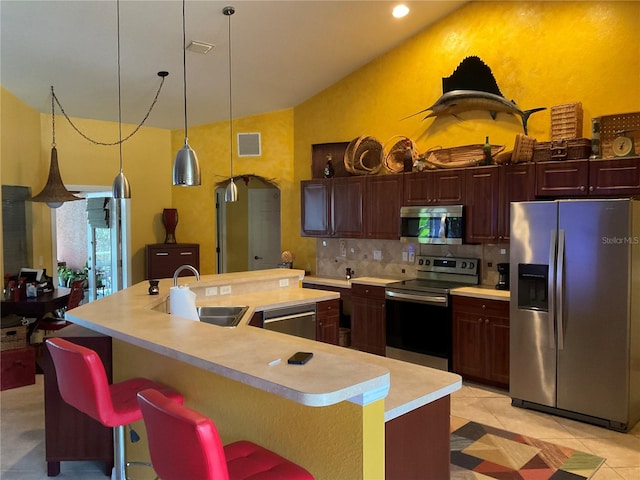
(181, 268)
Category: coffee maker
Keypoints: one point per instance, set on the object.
(503, 276)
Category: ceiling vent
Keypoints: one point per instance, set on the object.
(200, 47)
(249, 145)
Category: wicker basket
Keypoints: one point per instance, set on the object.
(574, 149)
(13, 338)
(566, 121)
(400, 149)
(457, 157)
(612, 126)
(364, 156)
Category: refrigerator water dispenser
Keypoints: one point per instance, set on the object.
(533, 287)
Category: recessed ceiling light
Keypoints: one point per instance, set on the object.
(400, 11)
(200, 47)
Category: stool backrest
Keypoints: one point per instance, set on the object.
(82, 380)
(76, 295)
(182, 442)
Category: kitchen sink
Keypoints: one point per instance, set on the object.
(221, 316)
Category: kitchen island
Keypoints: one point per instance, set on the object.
(329, 415)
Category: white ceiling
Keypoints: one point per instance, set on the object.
(283, 52)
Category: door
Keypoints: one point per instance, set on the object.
(593, 356)
(532, 333)
(264, 228)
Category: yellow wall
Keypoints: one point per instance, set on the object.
(196, 205)
(541, 54)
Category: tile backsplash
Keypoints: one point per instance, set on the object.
(384, 258)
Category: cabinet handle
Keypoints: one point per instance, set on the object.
(186, 253)
(484, 307)
(486, 320)
(162, 254)
(582, 189)
(591, 189)
(479, 320)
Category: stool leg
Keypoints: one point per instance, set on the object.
(119, 469)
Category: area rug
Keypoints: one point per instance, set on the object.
(482, 452)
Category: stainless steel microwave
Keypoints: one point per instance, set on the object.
(437, 224)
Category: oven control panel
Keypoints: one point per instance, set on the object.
(467, 266)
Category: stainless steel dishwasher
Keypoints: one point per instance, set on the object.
(299, 320)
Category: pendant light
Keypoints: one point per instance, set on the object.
(121, 187)
(186, 170)
(231, 192)
(54, 193)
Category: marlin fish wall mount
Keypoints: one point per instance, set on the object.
(472, 86)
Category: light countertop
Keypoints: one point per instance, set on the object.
(480, 291)
(244, 353)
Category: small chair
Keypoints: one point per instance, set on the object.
(83, 384)
(185, 444)
(56, 323)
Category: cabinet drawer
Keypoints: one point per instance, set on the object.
(481, 306)
(164, 259)
(328, 306)
(367, 290)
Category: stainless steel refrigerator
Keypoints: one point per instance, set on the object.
(575, 309)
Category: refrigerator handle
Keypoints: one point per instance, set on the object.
(551, 288)
(560, 289)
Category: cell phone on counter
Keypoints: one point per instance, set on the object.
(300, 358)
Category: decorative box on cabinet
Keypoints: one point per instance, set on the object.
(18, 368)
(164, 258)
(70, 434)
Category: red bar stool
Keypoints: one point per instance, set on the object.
(83, 384)
(185, 444)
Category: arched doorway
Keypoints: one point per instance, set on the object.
(248, 231)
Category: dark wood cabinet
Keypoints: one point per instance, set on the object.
(481, 340)
(315, 196)
(332, 207)
(619, 176)
(568, 178)
(328, 321)
(17, 367)
(438, 187)
(347, 196)
(517, 184)
(368, 318)
(69, 433)
(481, 204)
(383, 199)
(164, 258)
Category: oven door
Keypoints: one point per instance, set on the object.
(419, 331)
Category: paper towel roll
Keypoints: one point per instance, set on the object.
(183, 302)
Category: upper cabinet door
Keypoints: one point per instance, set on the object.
(383, 200)
(347, 207)
(481, 211)
(438, 187)
(315, 199)
(517, 184)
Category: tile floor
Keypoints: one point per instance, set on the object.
(22, 434)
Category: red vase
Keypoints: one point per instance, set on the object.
(170, 221)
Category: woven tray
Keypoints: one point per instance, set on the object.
(456, 157)
(364, 156)
(611, 127)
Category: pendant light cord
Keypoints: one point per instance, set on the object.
(53, 119)
(184, 65)
(119, 94)
(230, 12)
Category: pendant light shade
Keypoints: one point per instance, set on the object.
(121, 187)
(186, 170)
(54, 193)
(231, 192)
